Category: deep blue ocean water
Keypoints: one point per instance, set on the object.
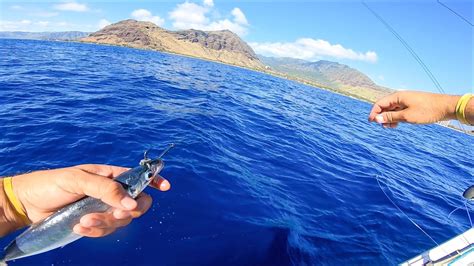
(266, 171)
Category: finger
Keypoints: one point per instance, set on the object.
(99, 187)
(92, 231)
(393, 125)
(103, 170)
(389, 102)
(376, 109)
(144, 203)
(160, 183)
(104, 220)
(121, 214)
(390, 117)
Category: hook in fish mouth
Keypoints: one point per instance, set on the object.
(147, 160)
(154, 165)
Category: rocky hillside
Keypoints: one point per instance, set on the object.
(50, 36)
(329, 74)
(222, 46)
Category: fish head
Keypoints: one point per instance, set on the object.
(149, 170)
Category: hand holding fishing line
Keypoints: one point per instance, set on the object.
(41, 193)
(421, 108)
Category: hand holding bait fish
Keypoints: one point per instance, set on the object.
(57, 230)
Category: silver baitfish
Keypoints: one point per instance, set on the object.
(56, 230)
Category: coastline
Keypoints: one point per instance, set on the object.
(271, 73)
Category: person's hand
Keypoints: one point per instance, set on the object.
(413, 107)
(43, 192)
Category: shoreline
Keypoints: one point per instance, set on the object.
(271, 73)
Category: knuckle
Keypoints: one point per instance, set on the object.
(112, 189)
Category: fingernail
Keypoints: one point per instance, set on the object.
(379, 119)
(128, 203)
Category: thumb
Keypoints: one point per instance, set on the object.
(390, 117)
(103, 188)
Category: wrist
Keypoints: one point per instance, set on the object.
(450, 102)
(9, 219)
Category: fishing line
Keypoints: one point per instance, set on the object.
(467, 211)
(412, 52)
(408, 47)
(468, 215)
(449, 215)
(455, 13)
(396, 206)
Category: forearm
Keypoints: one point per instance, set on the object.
(9, 220)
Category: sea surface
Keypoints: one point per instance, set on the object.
(265, 171)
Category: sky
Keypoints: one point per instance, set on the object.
(343, 31)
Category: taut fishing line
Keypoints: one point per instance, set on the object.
(412, 52)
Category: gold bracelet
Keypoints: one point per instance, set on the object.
(461, 108)
(14, 201)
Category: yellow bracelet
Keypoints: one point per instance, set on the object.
(461, 107)
(17, 206)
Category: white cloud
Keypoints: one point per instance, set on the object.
(25, 22)
(311, 49)
(16, 7)
(21, 25)
(227, 25)
(208, 3)
(103, 23)
(43, 23)
(190, 15)
(239, 16)
(45, 14)
(72, 6)
(145, 15)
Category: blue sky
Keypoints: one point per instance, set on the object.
(342, 31)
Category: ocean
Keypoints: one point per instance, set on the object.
(266, 171)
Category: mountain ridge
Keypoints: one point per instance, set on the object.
(328, 74)
(221, 46)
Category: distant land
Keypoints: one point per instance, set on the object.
(222, 46)
(330, 75)
(225, 47)
(49, 36)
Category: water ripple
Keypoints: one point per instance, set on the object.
(266, 171)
